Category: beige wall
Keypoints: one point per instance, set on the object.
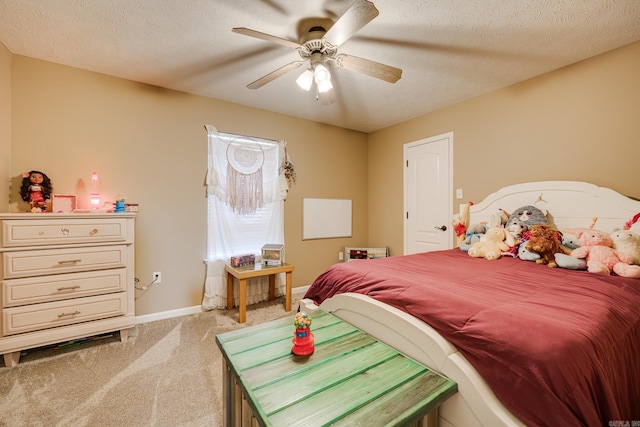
(149, 145)
(5, 126)
(581, 123)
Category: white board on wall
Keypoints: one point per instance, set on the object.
(326, 218)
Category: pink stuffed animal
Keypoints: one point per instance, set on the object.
(597, 248)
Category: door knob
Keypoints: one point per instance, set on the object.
(442, 227)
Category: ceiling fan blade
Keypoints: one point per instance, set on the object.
(328, 97)
(371, 68)
(275, 74)
(267, 37)
(357, 16)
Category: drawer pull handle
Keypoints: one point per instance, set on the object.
(64, 231)
(71, 261)
(68, 288)
(68, 314)
(93, 232)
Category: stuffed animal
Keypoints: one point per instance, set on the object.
(498, 218)
(569, 262)
(460, 223)
(473, 234)
(597, 248)
(546, 242)
(570, 235)
(530, 215)
(627, 244)
(525, 254)
(516, 228)
(495, 241)
(570, 242)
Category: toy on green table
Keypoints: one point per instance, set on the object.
(303, 341)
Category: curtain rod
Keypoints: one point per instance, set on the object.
(248, 136)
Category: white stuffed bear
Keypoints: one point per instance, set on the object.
(627, 243)
(492, 244)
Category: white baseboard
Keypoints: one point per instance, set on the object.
(192, 310)
(168, 314)
(300, 289)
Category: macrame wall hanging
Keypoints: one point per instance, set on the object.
(244, 176)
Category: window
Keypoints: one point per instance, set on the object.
(246, 190)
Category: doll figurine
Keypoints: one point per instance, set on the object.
(36, 189)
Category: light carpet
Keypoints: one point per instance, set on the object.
(168, 373)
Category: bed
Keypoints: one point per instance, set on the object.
(527, 344)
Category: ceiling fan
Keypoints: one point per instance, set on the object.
(319, 46)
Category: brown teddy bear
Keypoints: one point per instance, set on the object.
(546, 242)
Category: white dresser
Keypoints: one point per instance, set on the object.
(64, 276)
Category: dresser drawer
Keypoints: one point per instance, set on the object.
(33, 290)
(34, 317)
(56, 261)
(39, 232)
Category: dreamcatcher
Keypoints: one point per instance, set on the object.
(244, 176)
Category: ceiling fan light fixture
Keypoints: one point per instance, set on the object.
(319, 45)
(321, 74)
(305, 80)
(325, 86)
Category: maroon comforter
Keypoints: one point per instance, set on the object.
(558, 347)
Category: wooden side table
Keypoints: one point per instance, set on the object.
(350, 379)
(259, 270)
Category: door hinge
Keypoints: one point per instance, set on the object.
(407, 215)
(407, 163)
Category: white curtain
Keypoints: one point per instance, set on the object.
(231, 233)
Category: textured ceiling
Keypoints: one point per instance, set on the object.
(449, 50)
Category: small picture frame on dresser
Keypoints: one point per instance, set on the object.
(63, 203)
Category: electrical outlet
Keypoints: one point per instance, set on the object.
(340, 256)
(157, 277)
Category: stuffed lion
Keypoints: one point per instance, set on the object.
(546, 242)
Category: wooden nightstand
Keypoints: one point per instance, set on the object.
(244, 273)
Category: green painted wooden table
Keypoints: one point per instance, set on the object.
(351, 379)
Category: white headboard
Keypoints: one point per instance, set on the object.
(569, 204)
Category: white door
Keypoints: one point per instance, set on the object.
(428, 187)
